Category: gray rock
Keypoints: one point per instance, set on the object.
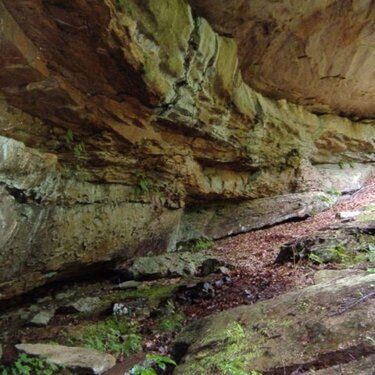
(131, 284)
(224, 270)
(65, 295)
(43, 317)
(45, 299)
(347, 215)
(74, 358)
(138, 307)
(219, 220)
(120, 309)
(84, 305)
(174, 265)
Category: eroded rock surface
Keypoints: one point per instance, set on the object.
(125, 123)
(324, 49)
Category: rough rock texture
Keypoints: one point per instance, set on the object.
(364, 366)
(80, 359)
(324, 49)
(120, 119)
(320, 326)
(349, 241)
(174, 265)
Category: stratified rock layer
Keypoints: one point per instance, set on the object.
(324, 50)
(126, 127)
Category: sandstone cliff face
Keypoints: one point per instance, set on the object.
(324, 49)
(127, 126)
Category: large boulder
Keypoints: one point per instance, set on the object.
(324, 325)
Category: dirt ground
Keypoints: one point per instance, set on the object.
(256, 276)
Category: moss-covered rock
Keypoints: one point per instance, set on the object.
(297, 329)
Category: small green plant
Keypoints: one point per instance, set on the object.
(78, 150)
(371, 253)
(172, 320)
(114, 342)
(327, 199)
(171, 323)
(116, 335)
(235, 332)
(351, 164)
(152, 363)
(340, 254)
(144, 185)
(314, 258)
(26, 365)
(201, 244)
(235, 367)
(333, 191)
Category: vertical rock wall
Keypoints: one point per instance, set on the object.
(126, 127)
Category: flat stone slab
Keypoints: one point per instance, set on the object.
(76, 358)
(324, 325)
